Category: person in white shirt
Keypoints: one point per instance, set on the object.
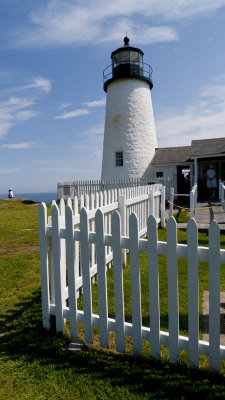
(211, 181)
(10, 195)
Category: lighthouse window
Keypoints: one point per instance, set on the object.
(125, 56)
(133, 57)
(119, 158)
(116, 59)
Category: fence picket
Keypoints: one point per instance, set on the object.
(92, 227)
(102, 283)
(59, 287)
(118, 282)
(172, 271)
(153, 279)
(51, 269)
(62, 252)
(85, 262)
(44, 266)
(193, 292)
(135, 285)
(214, 295)
(71, 268)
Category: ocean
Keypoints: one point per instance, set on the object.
(38, 197)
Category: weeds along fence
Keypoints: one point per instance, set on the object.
(71, 267)
(78, 188)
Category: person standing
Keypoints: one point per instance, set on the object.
(211, 181)
(10, 195)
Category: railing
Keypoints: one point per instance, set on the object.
(222, 194)
(132, 68)
(74, 230)
(193, 200)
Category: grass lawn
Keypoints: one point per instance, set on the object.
(35, 364)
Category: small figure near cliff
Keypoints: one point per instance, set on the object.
(10, 195)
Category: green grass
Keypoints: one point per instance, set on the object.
(182, 216)
(34, 364)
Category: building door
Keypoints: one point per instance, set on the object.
(183, 180)
(203, 191)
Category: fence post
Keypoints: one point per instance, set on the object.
(192, 206)
(60, 192)
(222, 195)
(162, 208)
(122, 212)
(171, 201)
(151, 202)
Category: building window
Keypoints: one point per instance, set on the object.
(159, 174)
(119, 158)
(66, 190)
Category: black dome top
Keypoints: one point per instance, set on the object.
(126, 47)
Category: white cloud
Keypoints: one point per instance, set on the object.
(39, 82)
(22, 145)
(61, 22)
(96, 103)
(203, 119)
(9, 170)
(72, 114)
(65, 105)
(14, 111)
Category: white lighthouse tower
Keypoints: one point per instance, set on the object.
(129, 137)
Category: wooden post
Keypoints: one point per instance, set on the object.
(118, 282)
(162, 209)
(135, 285)
(151, 202)
(214, 296)
(173, 308)
(122, 212)
(171, 201)
(193, 293)
(153, 277)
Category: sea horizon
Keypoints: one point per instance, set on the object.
(46, 197)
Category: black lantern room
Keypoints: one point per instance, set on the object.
(127, 62)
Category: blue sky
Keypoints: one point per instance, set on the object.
(52, 103)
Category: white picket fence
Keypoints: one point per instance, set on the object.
(66, 243)
(78, 188)
(144, 201)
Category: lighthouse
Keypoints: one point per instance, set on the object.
(129, 135)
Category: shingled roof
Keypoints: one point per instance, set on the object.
(183, 154)
(207, 147)
(171, 155)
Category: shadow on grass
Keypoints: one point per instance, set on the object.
(141, 376)
(29, 202)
